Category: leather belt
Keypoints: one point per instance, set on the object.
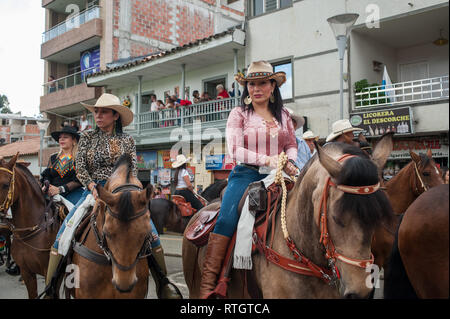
(253, 167)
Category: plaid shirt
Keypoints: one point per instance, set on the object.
(99, 151)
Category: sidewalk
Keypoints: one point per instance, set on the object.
(171, 244)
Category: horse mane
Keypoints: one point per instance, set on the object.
(125, 203)
(213, 190)
(30, 179)
(424, 160)
(124, 159)
(369, 209)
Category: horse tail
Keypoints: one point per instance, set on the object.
(396, 282)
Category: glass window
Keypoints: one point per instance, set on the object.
(271, 5)
(258, 7)
(285, 3)
(286, 89)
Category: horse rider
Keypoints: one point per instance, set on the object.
(98, 151)
(183, 185)
(60, 172)
(342, 131)
(260, 121)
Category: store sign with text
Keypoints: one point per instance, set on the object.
(218, 162)
(439, 147)
(376, 123)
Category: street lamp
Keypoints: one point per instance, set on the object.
(43, 125)
(340, 25)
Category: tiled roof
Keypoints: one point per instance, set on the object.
(27, 147)
(162, 54)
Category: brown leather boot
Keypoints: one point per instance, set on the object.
(215, 254)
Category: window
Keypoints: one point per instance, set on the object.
(210, 86)
(286, 90)
(260, 7)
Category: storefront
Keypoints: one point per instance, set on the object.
(218, 166)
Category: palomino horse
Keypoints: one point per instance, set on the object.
(120, 229)
(33, 230)
(347, 221)
(418, 266)
(415, 178)
(165, 214)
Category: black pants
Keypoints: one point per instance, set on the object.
(190, 197)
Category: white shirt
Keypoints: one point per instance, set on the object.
(154, 107)
(181, 174)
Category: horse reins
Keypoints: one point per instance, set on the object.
(10, 196)
(101, 239)
(305, 266)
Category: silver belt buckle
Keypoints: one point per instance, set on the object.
(265, 170)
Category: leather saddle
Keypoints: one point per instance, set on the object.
(185, 207)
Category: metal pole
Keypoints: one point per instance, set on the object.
(41, 148)
(342, 45)
(236, 85)
(183, 90)
(139, 106)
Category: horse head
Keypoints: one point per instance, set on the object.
(7, 182)
(126, 231)
(348, 205)
(427, 174)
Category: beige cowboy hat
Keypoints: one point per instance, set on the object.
(260, 70)
(112, 102)
(181, 159)
(340, 127)
(309, 135)
(300, 120)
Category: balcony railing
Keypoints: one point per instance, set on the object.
(67, 81)
(72, 23)
(423, 90)
(206, 112)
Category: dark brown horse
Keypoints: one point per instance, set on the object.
(351, 222)
(418, 176)
(119, 229)
(33, 230)
(418, 266)
(165, 214)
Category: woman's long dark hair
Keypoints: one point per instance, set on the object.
(275, 107)
(177, 171)
(119, 128)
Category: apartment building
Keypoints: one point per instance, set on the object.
(408, 37)
(83, 36)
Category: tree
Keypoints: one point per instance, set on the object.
(4, 105)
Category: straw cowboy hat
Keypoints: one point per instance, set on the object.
(67, 130)
(309, 135)
(258, 71)
(340, 127)
(300, 120)
(181, 159)
(112, 102)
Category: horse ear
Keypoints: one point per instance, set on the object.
(332, 166)
(362, 138)
(429, 154)
(13, 161)
(383, 150)
(415, 157)
(106, 195)
(148, 192)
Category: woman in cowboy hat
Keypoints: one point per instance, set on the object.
(183, 186)
(60, 171)
(257, 132)
(98, 151)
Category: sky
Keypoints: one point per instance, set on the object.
(22, 23)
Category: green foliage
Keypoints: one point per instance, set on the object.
(363, 86)
(4, 104)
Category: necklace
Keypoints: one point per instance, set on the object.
(272, 127)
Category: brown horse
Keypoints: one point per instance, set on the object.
(121, 226)
(33, 230)
(419, 266)
(415, 178)
(351, 222)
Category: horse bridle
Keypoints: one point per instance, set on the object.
(10, 196)
(101, 239)
(425, 187)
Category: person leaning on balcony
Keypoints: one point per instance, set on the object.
(205, 97)
(342, 131)
(52, 84)
(221, 92)
(97, 154)
(196, 96)
(183, 185)
(60, 172)
(154, 105)
(261, 120)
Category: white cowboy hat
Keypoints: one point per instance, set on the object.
(112, 102)
(309, 135)
(340, 127)
(261, 70)
(300, 120)
(181, 159)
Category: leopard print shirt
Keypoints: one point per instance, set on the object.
(98, 152)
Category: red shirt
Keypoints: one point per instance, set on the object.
(224, 94)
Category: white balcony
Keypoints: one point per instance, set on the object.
(410, 92)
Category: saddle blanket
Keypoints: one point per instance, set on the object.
(242, 258)
(58, 198)
(72, 224)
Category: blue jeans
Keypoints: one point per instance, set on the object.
(238, 181)
(156, 242)
(75, 195)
